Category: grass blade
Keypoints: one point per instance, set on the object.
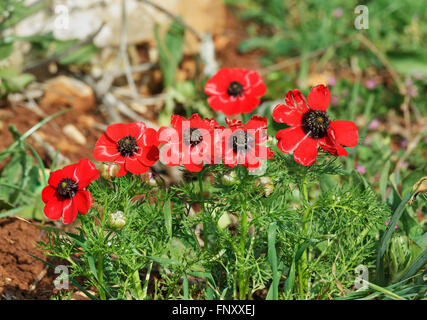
(384, 179)
(29, 132)
(418, 263)
(272, 258)
(185, 286)
(385, 239)
(168, 217)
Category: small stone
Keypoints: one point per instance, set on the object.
(86, 120)
(68, 91)
(64, 145)
(74, 134)
(78, 295)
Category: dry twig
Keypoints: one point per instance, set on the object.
(50, 150)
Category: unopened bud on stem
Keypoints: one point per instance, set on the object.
(117, 220)
(267, 184)
(108, 170)
(229, 179)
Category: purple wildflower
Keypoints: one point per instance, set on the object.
(370, 84)
(337, 13)
(388, 222)
(374, 124)
(361, 169)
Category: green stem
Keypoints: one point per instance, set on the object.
(386, 292)
(202, 204)
(101, 278)
(147, 278)
(243, 233)
(137, 283)
(243, 223)
(302, 266)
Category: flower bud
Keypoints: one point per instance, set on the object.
(399, 254)
(108, 170)
(419, 187)
(116, 220)
(267, 185)
(152, 179)
(229, 179)
(224, 221)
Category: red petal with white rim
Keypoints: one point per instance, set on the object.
(295, 100)
(85, 173)
(284, 114)
(290, 138)
(69, 211)
(306, 152)
(105, 149)
(136, 129)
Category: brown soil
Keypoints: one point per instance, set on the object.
(51, 132)
(22, 276)
(227, 45)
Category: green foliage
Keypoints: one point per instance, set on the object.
(295, 27)
(24, 176)
(13, 11)
(161, 244)
(170, 51)
(21, 182)
(11, 81)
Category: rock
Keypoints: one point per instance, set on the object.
(65, 146)
(75, 19)
(79, 295)
(86, 120)
(74, 134)
(69, 91)
(314, 79)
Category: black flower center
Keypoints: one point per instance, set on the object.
(192, 137)
(67, 188)
(315, 123)
(127, 146)
(242, 142)
(235, 89)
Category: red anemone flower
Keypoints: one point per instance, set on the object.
(241, 142)
(310, 126)
(64, 196)
(133, 146)
(233, 91)
(189, 142)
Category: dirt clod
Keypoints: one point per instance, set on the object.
(22, 276)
